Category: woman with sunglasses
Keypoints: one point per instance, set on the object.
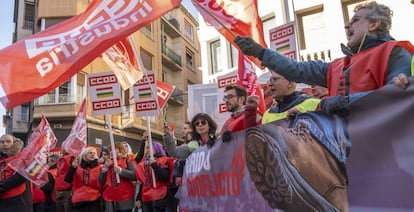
(204, 129)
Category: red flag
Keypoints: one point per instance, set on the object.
(31, 162)
(34, 66)
(232, 18)
(164, 91)
(248, 79)
(122, 60)
(76, 141)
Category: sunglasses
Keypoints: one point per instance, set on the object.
(202, 122)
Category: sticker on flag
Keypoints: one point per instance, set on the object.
(144, 92)
(145, 95)
(104, 93)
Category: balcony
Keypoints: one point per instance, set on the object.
(324, 55)
(170, 58)
(54, 99)
(177, 97)
(170, 26)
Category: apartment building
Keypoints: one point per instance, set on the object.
(169, 46)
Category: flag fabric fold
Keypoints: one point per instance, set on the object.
(248, 79)
(31, 162)
(33, 66)
(76, 141)
(233, 18)
(121, 58)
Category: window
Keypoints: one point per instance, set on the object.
(24, 113)
(268, 23)
(215, 57)
(80, 87)
(189, 59)
(233, 55)
(62, 94)
(188, 30)
(348, 9)
(312, 29)
(147, 30)
(146, 58)
(28, 15)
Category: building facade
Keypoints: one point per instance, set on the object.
(169, 46)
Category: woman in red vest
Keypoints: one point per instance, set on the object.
(118, 196)
(84, 175)
(63, 190)
(154, 196)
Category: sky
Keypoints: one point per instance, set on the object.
(6, 26)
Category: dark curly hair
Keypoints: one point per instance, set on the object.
(212, 125)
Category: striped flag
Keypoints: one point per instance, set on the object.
(104, 92)
(144, 92)
(282, 46)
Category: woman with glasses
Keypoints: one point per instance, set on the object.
(204, 129)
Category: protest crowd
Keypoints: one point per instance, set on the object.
(82, 178)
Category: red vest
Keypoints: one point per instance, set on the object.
(234, 124)
(364, 71)
(5, 173)
(149, 193)
(38, 196)
(63, 165)
(85, 184)
(53, 173)
(113, 191)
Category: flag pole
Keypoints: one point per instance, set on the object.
(111, 138)
(151, 150)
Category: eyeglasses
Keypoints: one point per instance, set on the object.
(202, 122)
(273, 80)
(229, 96)
(356, 18)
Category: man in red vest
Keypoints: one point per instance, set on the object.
(15, 192)
(372, 60)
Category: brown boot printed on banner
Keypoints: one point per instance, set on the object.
(277, 160)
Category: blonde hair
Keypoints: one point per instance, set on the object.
(86, 151)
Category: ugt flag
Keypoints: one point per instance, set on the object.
(32, 67)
